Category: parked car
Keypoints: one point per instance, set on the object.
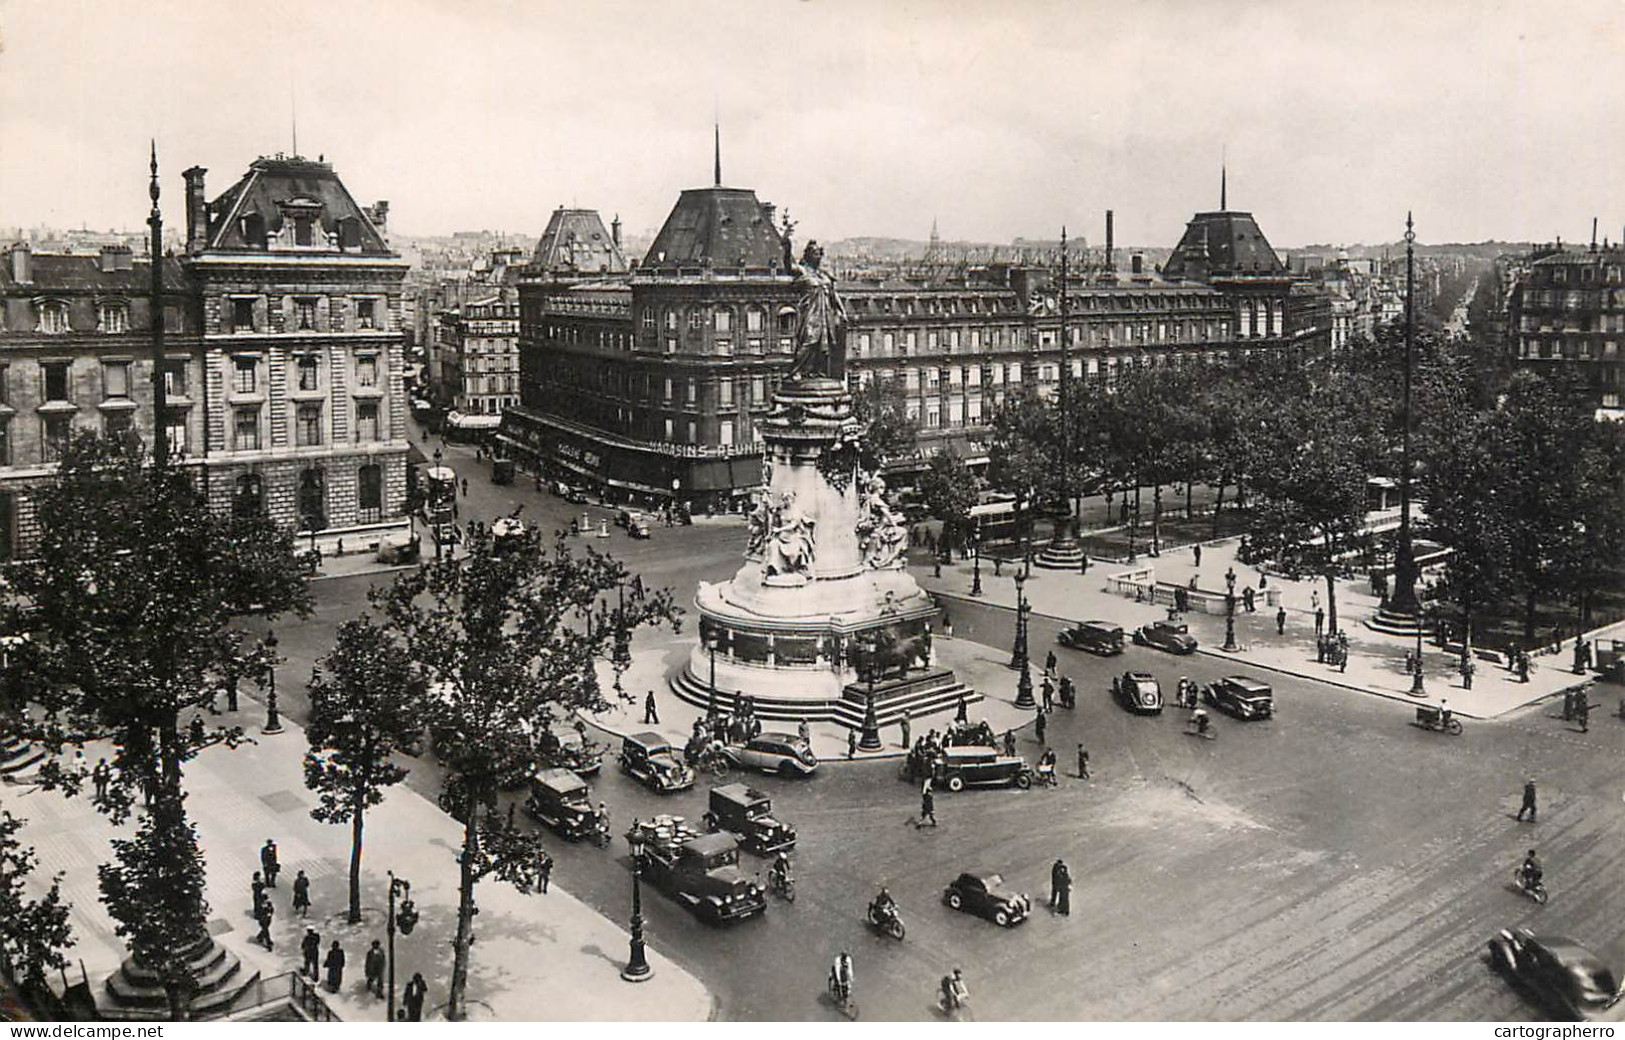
(1139, 692)
(641, 528)
(627, 517)
(559, 799)
(572, 751)
(1241, 696)
(783, 753)
(1097, 637)
(975, 766)
(1559, 973)
(654, 763)
(986, 895)
(1171, 636)
(747, 814)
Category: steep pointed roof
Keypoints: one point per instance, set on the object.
(723, 227)
(1222, 244)
(576, 241)
(274, 187)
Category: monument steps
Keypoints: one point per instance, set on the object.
(220, 982)
(918, 695)
(1060, 557)
(18, 755)
(1394, 623)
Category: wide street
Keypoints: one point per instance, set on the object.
(1332, 863)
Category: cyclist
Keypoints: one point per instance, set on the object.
(955, 994)
(779, 873)
(841, 977)
(885, 906)
(1200, 721)
(1531, 870)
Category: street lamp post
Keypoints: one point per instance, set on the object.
(869, 739)
(1024, 684)
(1230, 623)
(434, 509)
(976, 558)
(1418, 689)
(406, 920)
(637, 966)
(711, 698)
(273, 721)
(1403, 600)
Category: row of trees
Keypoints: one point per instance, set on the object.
(129, 606)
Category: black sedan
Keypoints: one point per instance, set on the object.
(1139, 692)
(1566, 977)
(1171, 636)
(1241, 696)
(986, 895)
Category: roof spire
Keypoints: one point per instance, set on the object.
(293, 117)
(1223, 207)
(716, 130)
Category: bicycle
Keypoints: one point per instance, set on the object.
(713, 761)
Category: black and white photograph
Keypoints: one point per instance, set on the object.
(812, 513)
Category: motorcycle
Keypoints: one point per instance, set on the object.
(1435, 720)
(1535, 890)
(1200, 726)
(600, 833)
(782, 885)
(890, 922)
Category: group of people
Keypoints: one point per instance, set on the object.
(1333, 649)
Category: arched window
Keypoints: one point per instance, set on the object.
(312, 500)
(249, 497)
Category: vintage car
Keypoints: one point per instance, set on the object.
(783, 753)
(1097, 637)
(700, 871)
(572, 751)
(1559, 973)
(625, 518)
(1240, 696)
(1171, 636)
(986, 895)
(975, 766)
(654, 763)
(507, 534)
(641, 528)
(747, 814)
(559, 799)
(1139, 692)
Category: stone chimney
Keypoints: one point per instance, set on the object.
(1137, 262)
(1111, 256)
(116, 258)
(22, 263)
(197, 211)
(379, 214)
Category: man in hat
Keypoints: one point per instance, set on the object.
(268, 862)
(1528, 805)
(311, 947)
(334, 963)
(374, 967)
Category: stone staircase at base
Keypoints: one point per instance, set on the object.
(919, 694)
(19, 756)
(1396, 624)
(1060, 556)
(136, 991)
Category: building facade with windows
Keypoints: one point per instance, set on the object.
(479, 348)
(1566, 310)
(652, 386)
(283, 356)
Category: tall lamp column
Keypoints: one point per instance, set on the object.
(637, 966)
(1020, 659)
(273, 721)
(405, 920)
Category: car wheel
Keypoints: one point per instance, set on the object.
(956, 784)
(1024, 780)
(1001, 918)
(786, 770)
(955, 902)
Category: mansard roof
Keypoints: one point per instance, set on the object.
(721, 227)
(1222, 243)
(575, 241)
(275, 186)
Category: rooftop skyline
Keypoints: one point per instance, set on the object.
(998, 121)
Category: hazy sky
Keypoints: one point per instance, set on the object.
(998, 117)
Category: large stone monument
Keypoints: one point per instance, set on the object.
(822, 615)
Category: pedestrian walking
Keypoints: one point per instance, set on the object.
(851, 743)
(544, 871)
(334, 963)
(1060, 885)
(264, 915)
(465, 487)
(1320, 619)
(803, 730)
(1196, 551)
(1582, 709)
(1528, 805)
(301, 894)
(928, 805)
(1009, 742)
(650, 716)
(904, 724)
(1048, 688)
(1249, 599)
(1083, 763)
(311, 947)
(1314, 599)
(1320, 648)
(947, 626)
(416, 990)
(1280, 621)
(257, 886)
(196, 734)
(1582, 655)
(998, 566)
(1230, 579)
(1039, 727)
(960, 715)
(101, 776)
(1050, 663)
(268, 862)
(374, 968)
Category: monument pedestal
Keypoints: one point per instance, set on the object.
(136, 991)
(823, 594)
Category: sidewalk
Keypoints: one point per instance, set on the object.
(537, 958)
(982, 668)
(1376, 662)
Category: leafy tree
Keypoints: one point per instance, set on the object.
(1462, 482)
(33, 932)
(500, 643)
(132, 589)
(365, 703)
(889, 433)
(1023, 453)
(949, 488)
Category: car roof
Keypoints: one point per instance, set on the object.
(707, 844)
(1105, 626)
(1141, 676)
(650, 740)
(970, 751)
(741, 793)
(787, 738)
(559, 779)
(988, 878)
(1247, 683)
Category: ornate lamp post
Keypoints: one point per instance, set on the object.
(869, 739)
(976, 565)
(1024, 684)
(434, 509)
(711, 699)
(1418, 688)
(637, 966)
(273, 721)
(406, 920)
(1230, 624)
